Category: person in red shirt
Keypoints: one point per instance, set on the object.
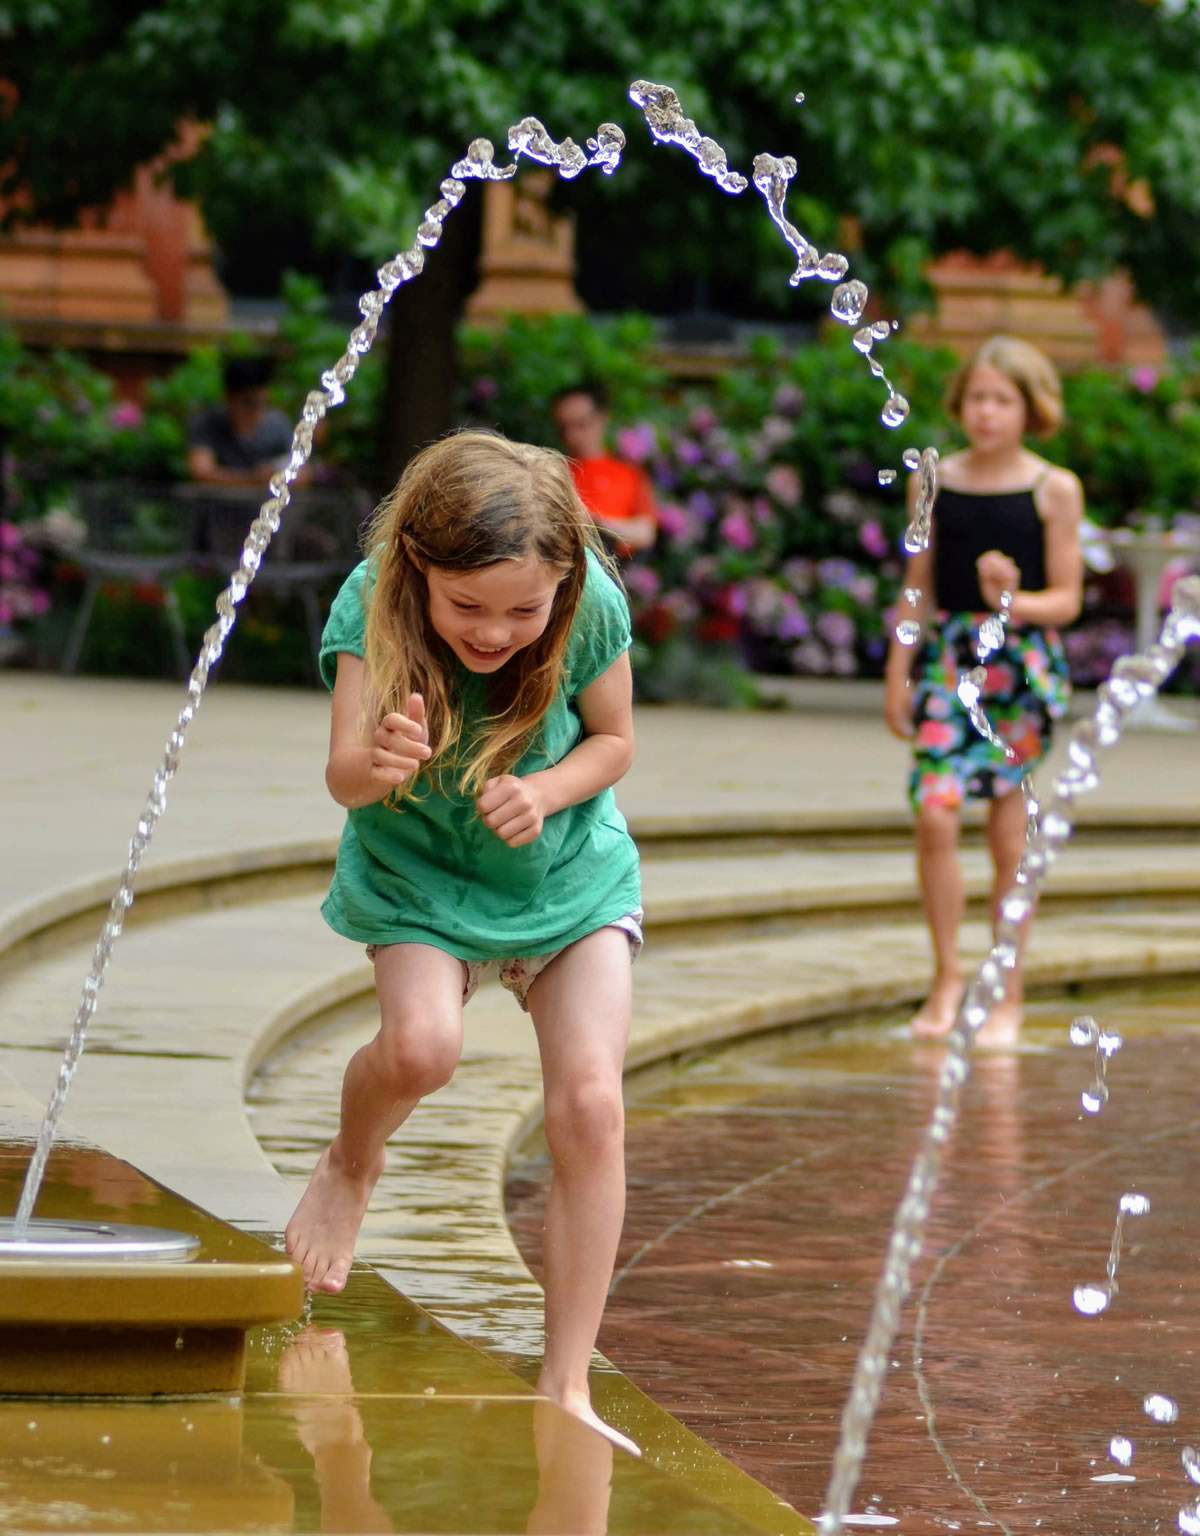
(617, 494)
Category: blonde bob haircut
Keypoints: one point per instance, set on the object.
(465, 503)
(1023, 365)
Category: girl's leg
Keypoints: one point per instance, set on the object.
(416, 1050)
(581, 1006)
(943, 898)
(1007, 821)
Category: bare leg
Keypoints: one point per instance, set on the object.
(943, 898)
(415, 1052)
(1006, 841)
(581, 1006)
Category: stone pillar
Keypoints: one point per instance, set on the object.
(527, 260)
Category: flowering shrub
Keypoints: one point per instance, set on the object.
(21, 594)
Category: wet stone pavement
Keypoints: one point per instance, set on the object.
(762, 1181)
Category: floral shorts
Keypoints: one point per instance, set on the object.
(1027, 689)
(518, 973)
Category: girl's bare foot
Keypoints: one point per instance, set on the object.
(322, 1233)
(1002, 1026)
(937, 1013)
(579, 1404)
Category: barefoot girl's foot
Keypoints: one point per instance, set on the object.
(1002, 1026)
(579, 1404)
(322, 1233)
(937, 1013)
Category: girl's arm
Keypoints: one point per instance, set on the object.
(1060, 502)
(516, 808)
(360, 773)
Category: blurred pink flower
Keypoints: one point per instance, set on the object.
(703, 420)
(873, 539)
(126, 413)
(673, 520)
(736, 530)
(1144, 378)
(836, 628)
(784, 484)
(637, 443)
(642, 582)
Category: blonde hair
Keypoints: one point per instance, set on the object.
(1023, 365)
(463, 504)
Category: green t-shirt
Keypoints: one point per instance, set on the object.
(430, 872)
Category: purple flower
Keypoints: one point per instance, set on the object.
(798, 573)
(735, 601)
(793, 625)
(641, 582)
(726, 458)
(789, 400)
(1144, 378)
(637, 443)
(702, 506)
(863, 588)
(836, 573)
(811, 657)
(784, 484)
(843, 664)
(673, 520)
(873, 539)
(836, 628)
(736, 530)
(703, 420)
(764, 513)
(688, 452)
(10, 536)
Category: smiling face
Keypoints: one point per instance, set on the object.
(487, 616)
(992, 411)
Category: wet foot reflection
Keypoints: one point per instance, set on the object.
(574, 1475)
(316, 1368)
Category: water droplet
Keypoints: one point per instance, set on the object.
(1084, 1030)
(912, 458)
(908, 631)
(1135, 1205)
(1189, 1519)
(848, 301)
(882, 329)
(1164, 1410)
(105, 1439)
(799, 97)
(914, 541)
(32, 1424)
(895, 411)
(1094, 1098)
(179, 1341)
(912, 596)
(832, 267)
(1091, 1299)
(864, 340)
(1121, 1449)
(1191, 1462)
(886, 477)
(1109, 1043)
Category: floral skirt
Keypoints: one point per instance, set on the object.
(1027, 689)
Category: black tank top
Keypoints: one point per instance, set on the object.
(966, 525)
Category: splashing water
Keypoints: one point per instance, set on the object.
(1189, 1519)
(1092, 1299)
(528, 138)
(1133, 678)
(1121, 1450)
(1086, 1032)
(1190, 1458)
(971, 684)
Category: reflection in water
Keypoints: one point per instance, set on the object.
(574, 1463)
(762, 1181)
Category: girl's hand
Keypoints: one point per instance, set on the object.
(512, 808)
(898, 708)
(400, 744)
(997, 575)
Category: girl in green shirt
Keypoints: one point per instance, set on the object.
(482, 712)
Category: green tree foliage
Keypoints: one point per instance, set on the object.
(952, 122)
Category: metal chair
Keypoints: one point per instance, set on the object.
(134, 533)
(316, 546)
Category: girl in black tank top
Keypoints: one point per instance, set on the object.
(1007, 522)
